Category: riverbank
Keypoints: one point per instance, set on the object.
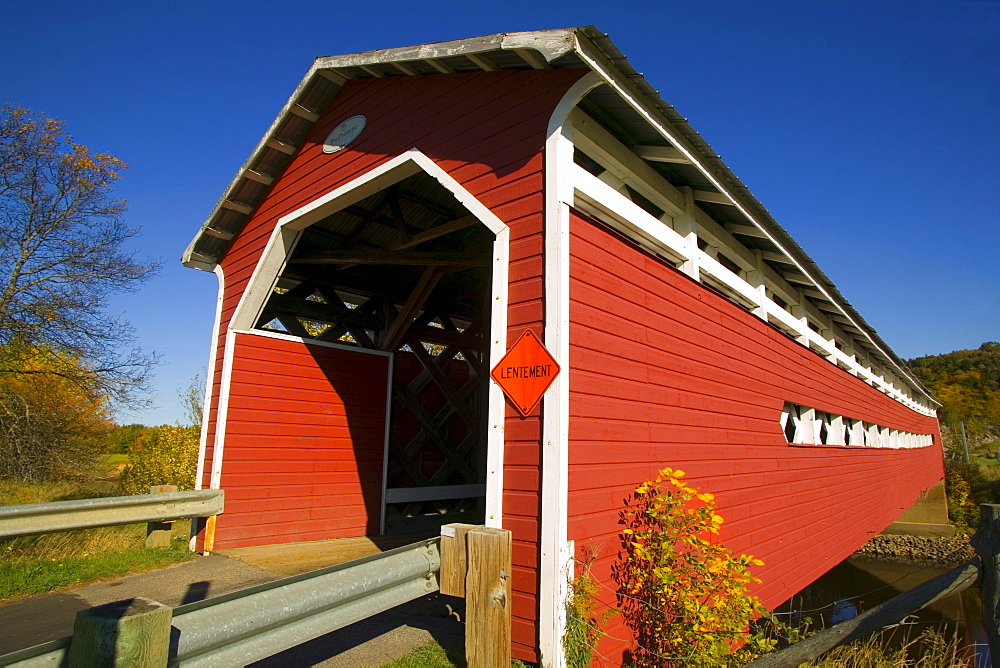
(919, 550)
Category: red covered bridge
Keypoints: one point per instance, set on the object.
(412, 212)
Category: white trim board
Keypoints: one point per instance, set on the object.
(311, 342)
(556, 557)
(206, 408)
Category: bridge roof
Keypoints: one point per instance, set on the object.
(581, 47)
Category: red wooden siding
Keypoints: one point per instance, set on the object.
(664, 372)
(304, 443)
(487, 130)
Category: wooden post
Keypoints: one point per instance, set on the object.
(158, 533)
(133, 632)
(987, 543)
(488, 598)
(454, 562)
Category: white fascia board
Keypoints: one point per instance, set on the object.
(627, 216)
(210, 377)
(207, 406)
(589, 54)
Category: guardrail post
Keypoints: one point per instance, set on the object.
(133, 632)
(488, 598)
(987, 543)
(454, 560)
(158, 533)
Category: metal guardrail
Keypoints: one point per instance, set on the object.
(36, 518)
(248, 625)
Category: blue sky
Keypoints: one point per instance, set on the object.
(868, 129)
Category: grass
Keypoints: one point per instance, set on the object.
(16, 493)
(429, 656)
(434, 655)
(32, 565)
(891, 648)
(29, 577)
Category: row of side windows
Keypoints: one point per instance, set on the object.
(807, 426)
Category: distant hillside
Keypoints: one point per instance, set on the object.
(967, 382)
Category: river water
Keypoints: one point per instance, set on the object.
(858, 584)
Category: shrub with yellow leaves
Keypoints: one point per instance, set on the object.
(162, 455)
(685, 597)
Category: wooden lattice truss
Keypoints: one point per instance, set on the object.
(405, 270)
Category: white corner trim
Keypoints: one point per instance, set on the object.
(495, 439)
(223, 412)
(206, 408)
(210, 376)
(554, 558)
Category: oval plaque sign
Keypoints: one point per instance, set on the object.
(344, 134)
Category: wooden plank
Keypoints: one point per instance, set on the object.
(712, 197)
(258, 177)
(437, 231)
(987, 543)
(747, 231)
(418, 296)
(533, 58)
(777, 257)
(282, 305)
(488, 598)
(158, 534)
(279, 145)
(439, 66)
(481, 62)
(302, 112)
(408, 70)
(434, 493)
(372, 71)
(454, 562)
(241, 207)
(661, 154)
(330, 75)
(418, 258)
(448, 337)
(219, 234)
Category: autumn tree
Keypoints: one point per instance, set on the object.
(62, 255)
(51, 427)
(192, 399)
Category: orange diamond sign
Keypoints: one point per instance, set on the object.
(525, 372)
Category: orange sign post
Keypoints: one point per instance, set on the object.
(525, 372)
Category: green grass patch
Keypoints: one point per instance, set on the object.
(26, 578)
(112, 461)
(436, 656)
(15, 493)
(429, 656)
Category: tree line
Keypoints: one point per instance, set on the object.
(967, 382)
